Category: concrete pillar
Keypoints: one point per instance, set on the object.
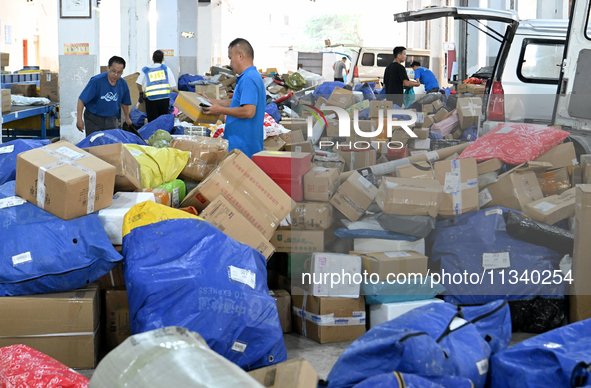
(167, 32)
(204, 37)
(76, 70)
(219, 48)
(135, 34)
(552, 9)
(437, 38)
(188, 22)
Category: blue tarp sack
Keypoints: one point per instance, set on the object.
(371, 85)
(110, 136)
(164, 122)
(406, 380)
(172, 100)
(433, 340)
(272, 110)
(185, 79)
(42, 253)
(470, 134)
(466, 242)
(137, 117)
(8, 153)
(558, 358)
(326, 88)
(182, 271)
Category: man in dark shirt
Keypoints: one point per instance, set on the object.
(396, 79)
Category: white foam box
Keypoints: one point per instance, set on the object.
(112, 216)
(380, 313)
(374, 245)
(334, 263)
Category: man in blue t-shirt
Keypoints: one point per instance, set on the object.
(426, 77)
(102, 97)
(246, 111)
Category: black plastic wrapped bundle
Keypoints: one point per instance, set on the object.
(539, 233)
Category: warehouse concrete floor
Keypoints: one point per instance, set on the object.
(323, 356)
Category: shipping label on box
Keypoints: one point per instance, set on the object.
(459, 178)
(320, 184)
(311, 216)
(64, 180)
(224, 216)
(411, 197)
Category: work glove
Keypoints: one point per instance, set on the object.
(141, 98)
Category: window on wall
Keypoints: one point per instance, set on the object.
(540, 61)
(367, 59)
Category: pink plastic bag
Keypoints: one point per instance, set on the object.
(445, 127)
(21, 366)
(515, 143)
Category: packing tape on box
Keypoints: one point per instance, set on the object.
(453, 185)
(76, 334)
(63, 160)
(471, 107)
(357, 319)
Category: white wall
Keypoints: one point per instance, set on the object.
(28, 20)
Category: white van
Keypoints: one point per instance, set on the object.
(527, 69)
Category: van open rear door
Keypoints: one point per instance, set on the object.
(573, 102)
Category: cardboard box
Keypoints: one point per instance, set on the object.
(461, 88)
(429, 121)
(188, 103)
(355, 160)
(563, 155)
(354, 196)
(385, 263)
(304, 146)
(289, 374)
(554, 181)
(302, 241)
(585, 166)
(420, 144)
(422, 133)
(118, 324)
(420, 170)
(341, 98)
(134, 93)
(311, 216)
(274, 143)
(161, 196)
(26, 90)
(332, 160)
(325, 262)
(513, 190)
(459, 178)
(320, 184)
(440, 115)
(469, 110)
(553, 208)
(206, 154)
(428, 109)
(321, 103)
(437, 105)
(248, 188)
(283, 300)
(413, 197)
(4, 59)
(576, 175)
(379, 105)
(113, 279)
(49, 86)
(6, 101)
(112, 217)
(491, 165)
(66, 186)
(295, 136)
(277, 89)
(580, 299)
(228, 81)
(224, 216)
(128, 175)
(63, 325)
(344, 309)
(294, 124)
(211, 91)
(332, 128)
(476, 89)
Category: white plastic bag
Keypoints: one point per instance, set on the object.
(71, 133)
(168, 357)
(312, 79)
(25, 101)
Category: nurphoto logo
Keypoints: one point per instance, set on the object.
(344, 125)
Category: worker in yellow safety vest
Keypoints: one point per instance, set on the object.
(155, 83)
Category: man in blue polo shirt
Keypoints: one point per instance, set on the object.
(102, 97)
(244, 128)
(426, 77)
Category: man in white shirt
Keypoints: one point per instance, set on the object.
(155, 83)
